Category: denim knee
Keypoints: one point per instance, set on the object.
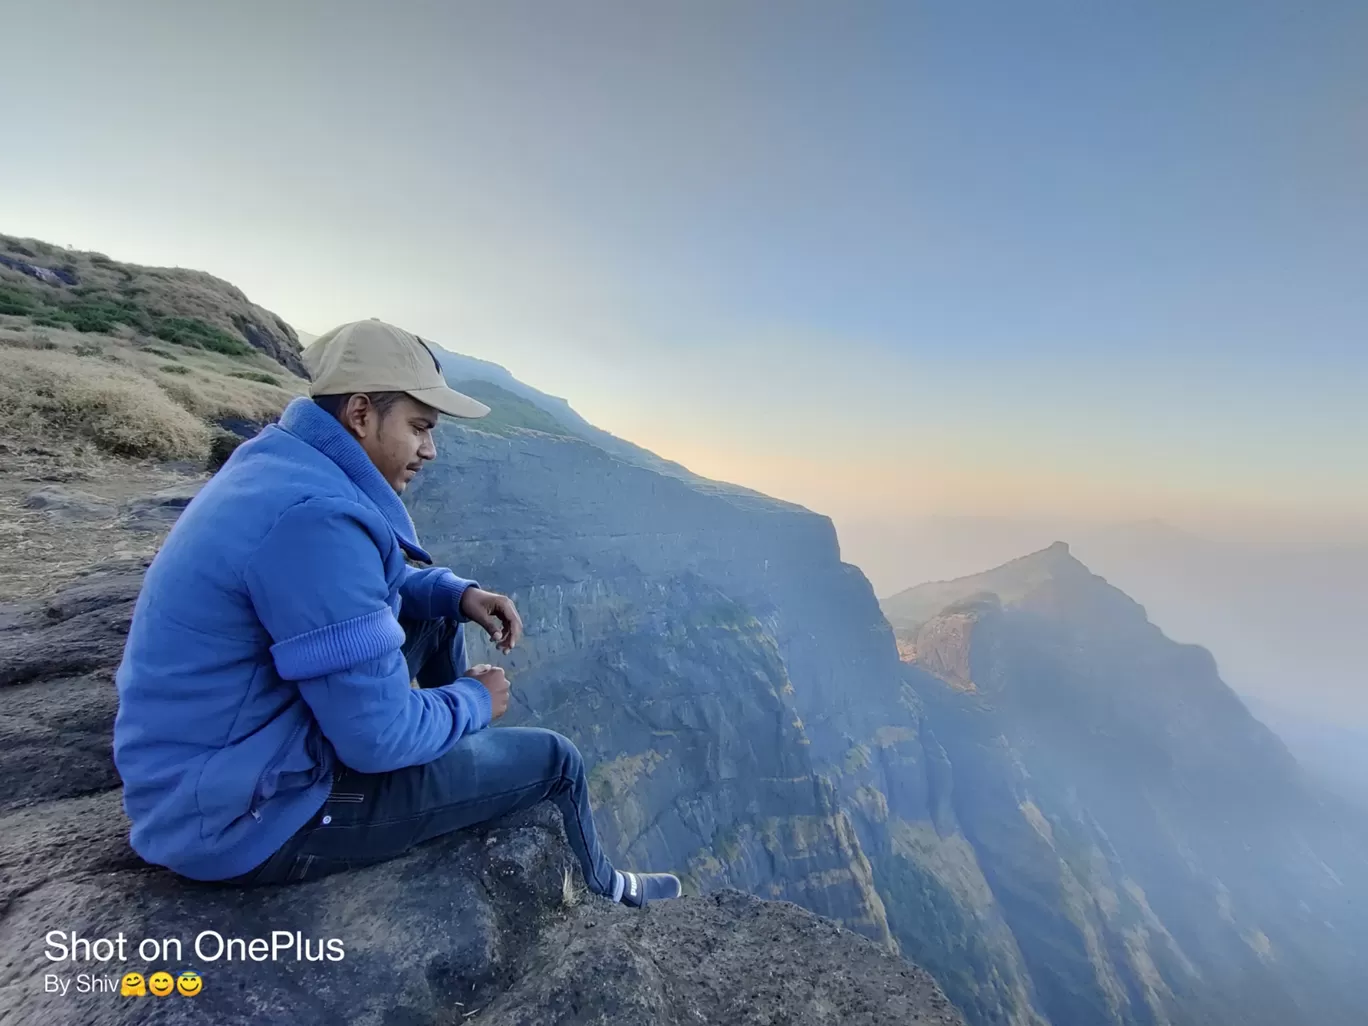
(566, 754)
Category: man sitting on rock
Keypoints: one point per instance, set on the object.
(268, 728)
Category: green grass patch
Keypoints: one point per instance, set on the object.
(187, 331)
(174, 368)
(13, 301)
(262, 376)
(90, 309)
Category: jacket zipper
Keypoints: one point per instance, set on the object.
(256, 791)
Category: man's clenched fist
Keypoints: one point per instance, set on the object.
(496, 683)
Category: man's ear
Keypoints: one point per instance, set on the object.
(359, 414)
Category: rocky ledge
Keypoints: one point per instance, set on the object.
(490, 925)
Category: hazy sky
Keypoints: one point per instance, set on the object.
(1037, 258)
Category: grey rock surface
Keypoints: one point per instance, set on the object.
(728, 958)
(71, 505)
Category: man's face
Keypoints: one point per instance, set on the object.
(399, 441)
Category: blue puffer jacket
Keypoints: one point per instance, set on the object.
(265, 646)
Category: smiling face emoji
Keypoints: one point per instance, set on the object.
(189, 983)
(160, 983)
(132, 986)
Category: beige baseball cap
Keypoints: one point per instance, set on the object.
(372, 356)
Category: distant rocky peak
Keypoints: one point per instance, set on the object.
(1051, 582)
(1019, 577)
(1055, 557)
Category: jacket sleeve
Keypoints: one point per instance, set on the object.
(317, 582)
(433, 593)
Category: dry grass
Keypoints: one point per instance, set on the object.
(52, 395)
(571, 892)
(58, 388)
(213, 396)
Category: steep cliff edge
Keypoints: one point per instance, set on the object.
(732, 682)
(1155, 851)
(491, 925)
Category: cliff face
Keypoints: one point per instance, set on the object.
(650, 643)
(732, 683)
(1156, 853)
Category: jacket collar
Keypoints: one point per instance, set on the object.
(309, 422)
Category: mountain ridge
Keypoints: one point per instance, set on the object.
(1127, 773)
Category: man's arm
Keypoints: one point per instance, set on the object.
(436, 592)
(318, 584)
(433, 593)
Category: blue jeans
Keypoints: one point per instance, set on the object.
(374, 817)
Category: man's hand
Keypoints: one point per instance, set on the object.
(496, 683)
(495, 613)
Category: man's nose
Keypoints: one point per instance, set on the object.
(428, 450)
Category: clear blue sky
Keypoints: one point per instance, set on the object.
(1107, 259)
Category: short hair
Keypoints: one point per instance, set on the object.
(336, 403)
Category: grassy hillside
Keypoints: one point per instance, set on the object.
(103, 358)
